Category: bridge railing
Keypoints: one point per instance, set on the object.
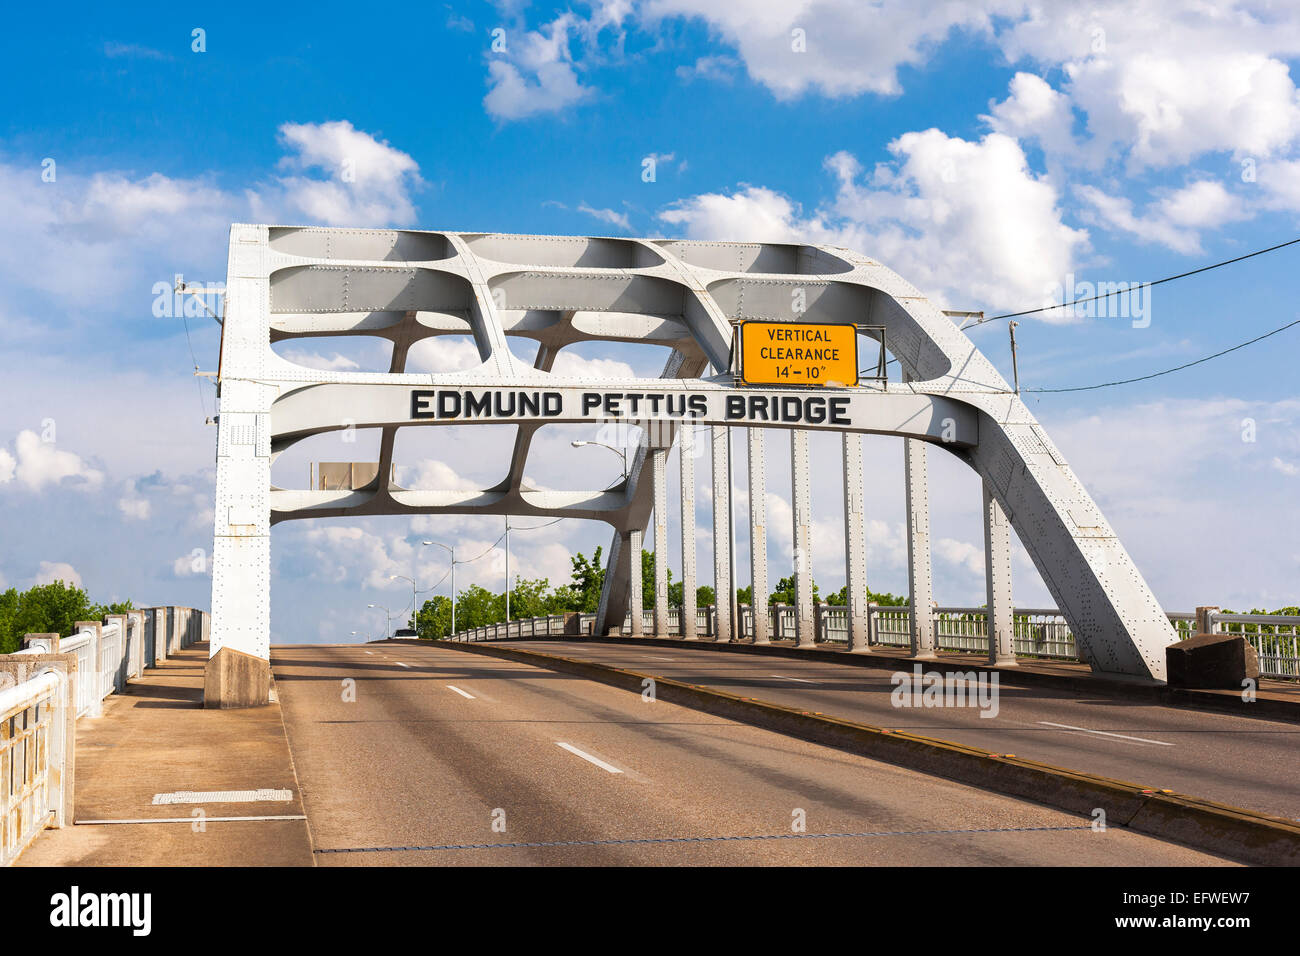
(50, 684)
(1040, 633)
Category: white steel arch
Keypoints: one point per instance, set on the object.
(406, 286)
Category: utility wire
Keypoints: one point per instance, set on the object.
(1179, 368)
(1144, 285)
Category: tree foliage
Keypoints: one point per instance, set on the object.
(47, 609)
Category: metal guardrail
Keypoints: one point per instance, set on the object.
(1041, 633)
(34, 735)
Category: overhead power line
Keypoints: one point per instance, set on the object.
(1168, 371)
(1144, 285)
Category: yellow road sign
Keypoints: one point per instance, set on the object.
(795, 353)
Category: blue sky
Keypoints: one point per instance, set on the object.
(990, 153)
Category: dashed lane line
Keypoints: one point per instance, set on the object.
(1106, 733)
(461, 692)
(588, 757)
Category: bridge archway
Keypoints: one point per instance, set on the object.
(408, 287)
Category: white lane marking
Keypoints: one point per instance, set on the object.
(402, 664)
(461, 692)
(1106, 733)
(371, 653)
(588, 757)
(799, 679)
(84, 823)
(223, 796)
(661, 658)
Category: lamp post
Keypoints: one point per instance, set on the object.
(452, 551)
(388, 620)
(415, 600)
(618, 451)
(356, 633)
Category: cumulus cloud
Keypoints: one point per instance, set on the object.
(334, 363)
(535, 74)
(1175, 220)
(367, 182)
(51, 571)
(617, 219)
(39, 464)
(833, 47)
(967, 222)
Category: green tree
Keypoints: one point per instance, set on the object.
(45, 608)
(784, 593)
(476, 606)
(745, 594)
(434, 619)
(528, 598)
(588, 579)
(704, 595)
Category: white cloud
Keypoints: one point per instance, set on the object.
(967, 222)
(134, 508)
(194, 564)
(572, 364)
(1033, 110)
(536, 74)
(39, 463)
(607, 215)
(1176, 219)
(961, 553)
(846, 49)
(51, 571)
(334, 363)
(368, 182)
(443, 353)
(1290, 469)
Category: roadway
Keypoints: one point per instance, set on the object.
(409, 755)
(1243, 761)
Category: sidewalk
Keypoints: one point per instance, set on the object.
(157, 739)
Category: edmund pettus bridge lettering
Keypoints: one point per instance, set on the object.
(461, 404)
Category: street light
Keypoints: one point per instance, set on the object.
(452, 552)
(356, 633)
(415, 600)
(388, 625)
(618, 451)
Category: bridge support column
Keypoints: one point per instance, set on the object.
(920, 587)
(659, 468)
(758, 535)
(635, 600)
(855, 544)
(686, 450)
(1000, 613)
(722, 583)
(801, 495)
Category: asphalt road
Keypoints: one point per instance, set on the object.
(1242, 761)
(408, 755)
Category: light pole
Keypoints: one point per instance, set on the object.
(618, 451)
(388, 620)
(355, 633)
(415, 600)
(452, 551)
(507, 575)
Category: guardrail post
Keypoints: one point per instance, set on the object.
(45, 643)
(97, 676)
(14, 670)
(1205, 619)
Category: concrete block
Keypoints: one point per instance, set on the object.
(1218, 661)
(234, 679)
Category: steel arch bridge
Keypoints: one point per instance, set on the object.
(407, 286)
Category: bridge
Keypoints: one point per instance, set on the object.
(1105, 729)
